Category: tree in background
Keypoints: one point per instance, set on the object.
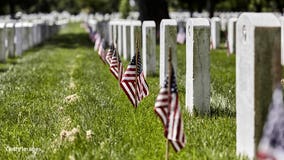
(124, 8)
(100, 6)
(148, 9)
(153, 10)
(46, 6)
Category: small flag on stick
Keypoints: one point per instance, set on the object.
(109, 54)
(116, 67)
(133, 81)
(98, 42)
(168, 109)
(181, 36)
(271, 145)
(102, 52)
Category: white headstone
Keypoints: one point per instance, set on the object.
(18, 38)
(114, 32)
(232, 35)
(110, 30)
(282, 40)
(149, 47)
(258, 69)
(119, 37)
(215, 32)
(93, 24)
(126, 40)
(168, 36)
(3, 40)
(10, 27)
(39, 38)
(135, 36)
(34, 33)
(198, 65)
(224, 23)
(30, 35)
(25, 32)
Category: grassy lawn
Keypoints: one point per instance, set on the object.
(36, 107)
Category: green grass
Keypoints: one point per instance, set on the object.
(33, 110)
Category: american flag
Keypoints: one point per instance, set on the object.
(168, 109)
(109, 54)
(89, 29)
(116, 67)
(94, 35)
(129, 79)
(98, 42)
(181, 36)
(271, 145)
(101, 51)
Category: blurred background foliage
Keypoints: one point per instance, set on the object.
(124, 6)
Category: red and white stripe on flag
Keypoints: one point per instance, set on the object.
(102, 52)
(128, 83)
(116, 67)
(97, 43)
(168, 109)
(109, 56)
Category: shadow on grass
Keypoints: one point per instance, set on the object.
(13, 61)
(217, 112)
(222, 112)
(3, 69)
(68, 40)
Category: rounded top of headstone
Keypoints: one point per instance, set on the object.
(2, 25)
(281, 20)
(18, 24)
(171, 22)
(120, 21)
(115, 22)
(233, 19)
(10, 25)
(198, 22)
(136, 23)
(110, 22)
(29, 24)
(215, 19)
(106, 17)
(25, 24)
(126, 23)
(149, 23)
(260, 19)
(92, 21)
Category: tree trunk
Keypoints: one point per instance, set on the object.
(211, 7)
(12, 8)
(280, 6)
(153, 10)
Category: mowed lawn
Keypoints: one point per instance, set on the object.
(36, 107)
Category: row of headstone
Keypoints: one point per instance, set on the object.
(198, 47)
(282, 40)
(215, 27)
(18, 36)
(258, 71)
(109, 17)
(256, 38)
(130, 35)
(125, 34)
(217, 24)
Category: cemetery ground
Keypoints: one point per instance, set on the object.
(62, 85)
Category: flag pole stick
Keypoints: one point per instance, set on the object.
(136, 60)
(118, 67)
(169, 95)
(116, 54)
